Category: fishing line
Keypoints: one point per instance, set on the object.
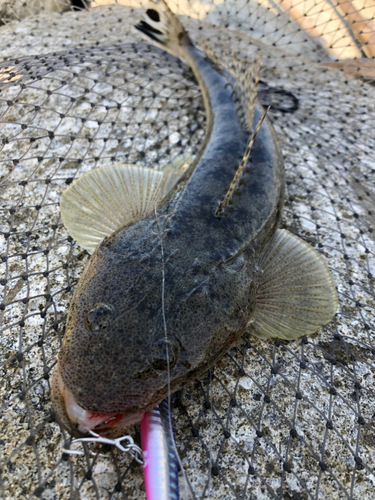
(161, 236)
(211, 431)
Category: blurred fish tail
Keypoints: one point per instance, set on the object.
(163, 28)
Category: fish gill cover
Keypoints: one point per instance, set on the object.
(77, 91)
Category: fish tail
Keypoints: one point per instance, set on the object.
(163, 28)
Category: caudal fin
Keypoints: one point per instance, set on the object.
(162, 27)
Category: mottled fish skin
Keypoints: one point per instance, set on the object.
(182, 264)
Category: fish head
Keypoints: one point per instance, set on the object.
(116, 358)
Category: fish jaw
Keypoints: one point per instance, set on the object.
(79, 422)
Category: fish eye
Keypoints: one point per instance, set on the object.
(100, 316)
(158, 356)
(153, 14)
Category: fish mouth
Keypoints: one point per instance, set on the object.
(79, 422)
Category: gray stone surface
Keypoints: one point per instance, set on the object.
(19, 9)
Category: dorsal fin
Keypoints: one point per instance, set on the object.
(211, 54)
(246, 80)
(237, 177)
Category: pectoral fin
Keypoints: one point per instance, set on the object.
(296, 294)
(108, 198)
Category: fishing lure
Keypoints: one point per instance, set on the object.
(161, 465)
(159, 457)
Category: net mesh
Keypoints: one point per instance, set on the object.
(79, 90)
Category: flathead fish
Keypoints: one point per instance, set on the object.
(191, 258)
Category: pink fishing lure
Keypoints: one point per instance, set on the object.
(160, 468)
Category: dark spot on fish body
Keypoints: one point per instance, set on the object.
(149, 372)
(153, 14)
(150, 29)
